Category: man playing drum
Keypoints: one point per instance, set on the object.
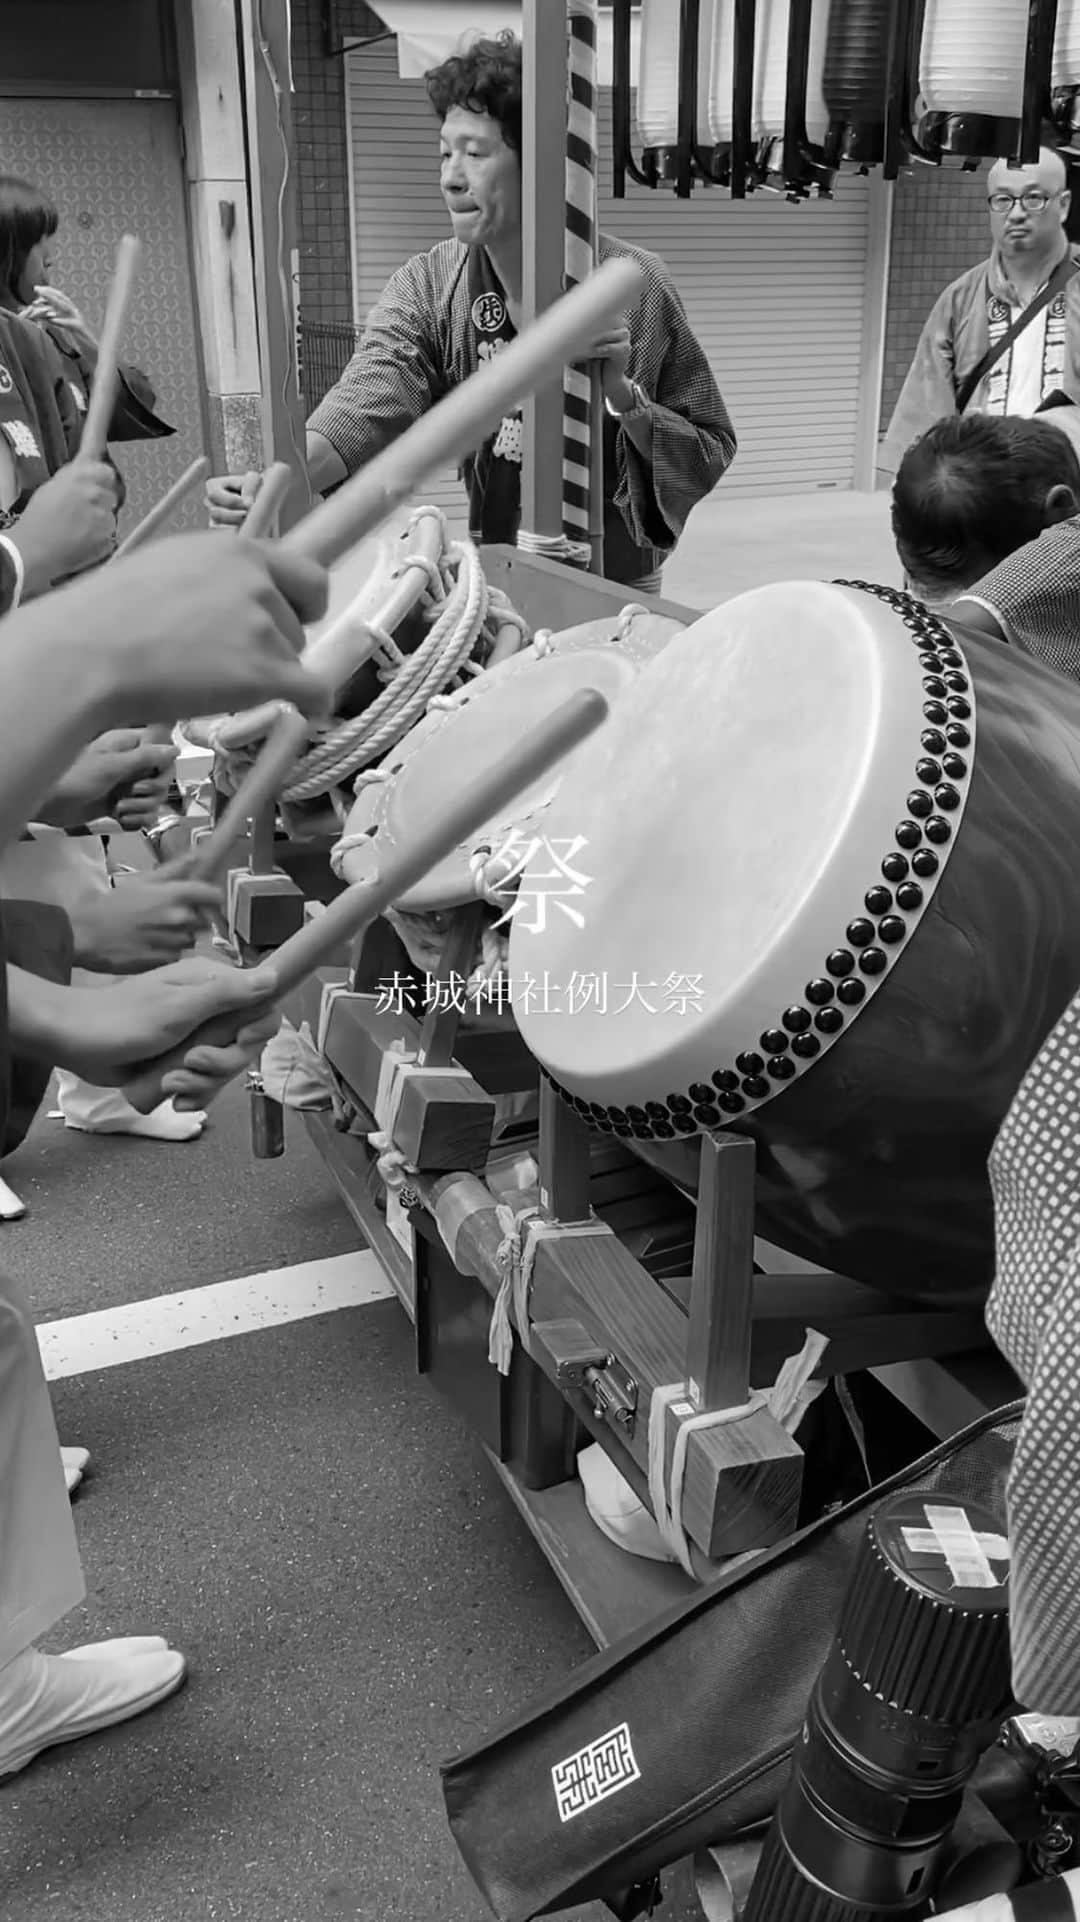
(667, 435)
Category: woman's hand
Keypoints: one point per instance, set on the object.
(161, 1019)
(68, 524)
(191, 624)
(119, 763)
(146, 922)
(50, 304)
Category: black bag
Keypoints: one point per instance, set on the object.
(37, 937)
(679, 1737)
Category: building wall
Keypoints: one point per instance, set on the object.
(322, 153)
(940, 227)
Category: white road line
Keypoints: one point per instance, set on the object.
(135, 1330)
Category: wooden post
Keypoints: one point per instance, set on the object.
(564, 1159)
(438, 1034)
(215, 170)
(271, 180)
(722, 1282)
(543, 238)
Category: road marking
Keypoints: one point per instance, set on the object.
(135, 1330)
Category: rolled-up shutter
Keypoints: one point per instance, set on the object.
(774, 292)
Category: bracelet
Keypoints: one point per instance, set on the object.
(640, 405)
(17, 563)
(161, 827)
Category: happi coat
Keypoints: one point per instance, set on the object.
(443, 314)
(966, 320)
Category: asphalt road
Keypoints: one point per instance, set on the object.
(304, 1516)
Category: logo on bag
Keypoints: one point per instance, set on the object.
(6, 382)
(488, 313)
(594, 1773)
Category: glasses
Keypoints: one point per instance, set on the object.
(1033, 200)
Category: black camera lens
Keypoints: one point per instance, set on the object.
(917, 1673)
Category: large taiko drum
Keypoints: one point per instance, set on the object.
(470, 730)
(833, 904)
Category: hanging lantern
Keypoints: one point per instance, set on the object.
(972, 63)
(1065, 71)
(769, 108)
(1065, 68)
(856, 78)
(663, 67)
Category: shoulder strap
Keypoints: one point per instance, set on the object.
(1060, 277)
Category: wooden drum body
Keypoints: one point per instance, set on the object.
(857, 836)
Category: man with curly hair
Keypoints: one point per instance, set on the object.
(667, 434)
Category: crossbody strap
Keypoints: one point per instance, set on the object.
(1060, 278)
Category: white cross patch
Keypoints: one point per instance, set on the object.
(22, 440)
(968, 1555)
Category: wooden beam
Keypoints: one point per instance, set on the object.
(264, 29)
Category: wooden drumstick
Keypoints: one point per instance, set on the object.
(257, 789)
(268, 502)
(158, 515)
(351, 912)
(457, 424)
(442, 437)
(106, 382)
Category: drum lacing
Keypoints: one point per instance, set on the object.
(627, 617)
(410, 685)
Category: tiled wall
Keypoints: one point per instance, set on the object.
(322, 155)
(940, 227)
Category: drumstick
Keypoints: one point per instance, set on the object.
(158, 515)
(106, 381)
(351, 912)
(457, 424)
(268, 502)
(452, 429)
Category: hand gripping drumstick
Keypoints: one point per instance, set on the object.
(268, 502)
(351, 912)
(260, 518)
(106, 381)
(453, 428)
(159, 514)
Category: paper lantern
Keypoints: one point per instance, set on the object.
(770, 70)
(856, 58)
(1065, 73)
(972, 57)
(658, 82)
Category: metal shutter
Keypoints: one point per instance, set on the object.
(774, 292)
(775, 295)
(397, 207)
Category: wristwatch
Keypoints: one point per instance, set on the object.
(639, 406)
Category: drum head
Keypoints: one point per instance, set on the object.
(474, 730)
(755, 836)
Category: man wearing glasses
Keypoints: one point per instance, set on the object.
(1005, 337)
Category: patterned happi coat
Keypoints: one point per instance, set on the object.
(443, 313)
(965, 322)
(40, 418)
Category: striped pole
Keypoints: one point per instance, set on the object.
(1055, 1901)
(582, 513)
